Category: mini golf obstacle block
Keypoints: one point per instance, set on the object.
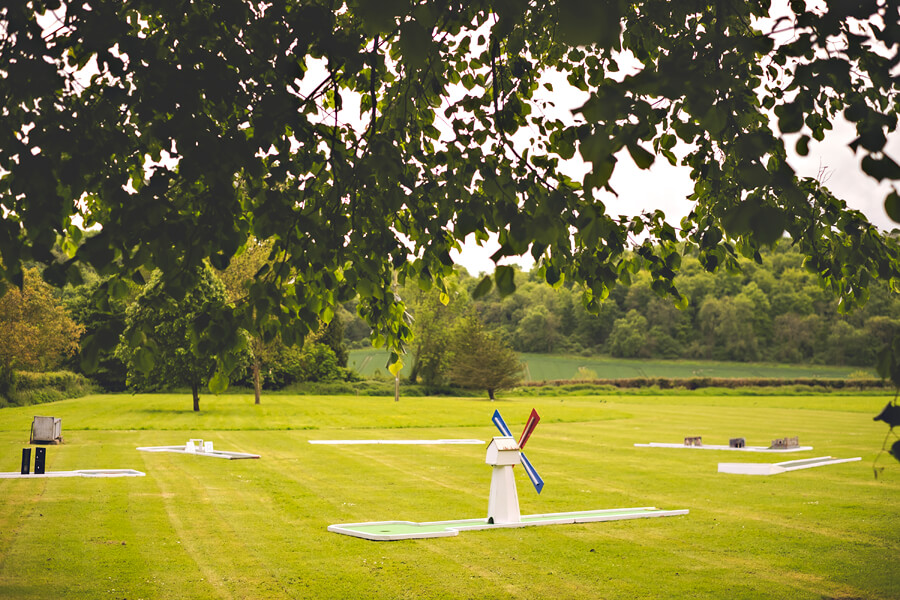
(40, 460)
(26, 461)
(46, 430)
(693, 441)
(785, 442)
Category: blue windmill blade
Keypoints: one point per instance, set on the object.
(501, 424)
(532, 474)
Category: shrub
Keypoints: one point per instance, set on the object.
(312, 363)
(38, 388)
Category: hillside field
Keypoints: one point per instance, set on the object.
(552, 367)
(200, 528)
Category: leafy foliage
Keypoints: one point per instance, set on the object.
(435, 317)
(776, 311)
(36, 333)
(185, 129)
(481, 360)
(38, 388)
(314, 362)
(91, 306)
(160, 343)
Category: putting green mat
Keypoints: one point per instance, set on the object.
(406, 530)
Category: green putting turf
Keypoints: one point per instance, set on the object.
(397, 530)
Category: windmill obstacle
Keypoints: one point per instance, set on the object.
(40, 457)
(503, 453)
(781, 467)
(198, 447)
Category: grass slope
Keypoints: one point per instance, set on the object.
(553, 367)
(207, 528)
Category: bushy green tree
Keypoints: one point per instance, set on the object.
(434, 317)
(481, 360)
(726, 325)
(36, 332)
(537, 330)
(100, 314)
(629, 336)
(164, 343)
(314, 362)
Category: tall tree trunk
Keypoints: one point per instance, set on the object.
(195, 390)
(256, 379)
(490, 393)
(414, 373)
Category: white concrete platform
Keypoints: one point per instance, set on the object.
(398, 442)
(77, 473)
(724, 447)
(781, 467)
(208, 453)
(389, 531)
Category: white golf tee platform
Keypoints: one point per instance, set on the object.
(198, 448)
(76, 473)
(781, 467)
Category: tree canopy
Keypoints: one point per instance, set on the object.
(157, 346)
(35, 331)
(143, 134)
(481, 360)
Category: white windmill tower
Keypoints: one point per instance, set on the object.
(503, 453)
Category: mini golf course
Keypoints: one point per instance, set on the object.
(245, 529)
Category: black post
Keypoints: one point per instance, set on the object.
(40, 455)
(26, 461)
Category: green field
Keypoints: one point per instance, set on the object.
(206, 528)
(553, 367)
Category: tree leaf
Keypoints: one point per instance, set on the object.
(505, 277)
(880, 168)
(890, 415)
(892, 206)
(395, 366)
(218, 383)
(144, 360)
(484, 286)
(642, 158)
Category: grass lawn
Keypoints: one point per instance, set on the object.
(207, 528)
(553, 367)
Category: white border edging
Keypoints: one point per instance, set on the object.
(77, 473)
(399, 442)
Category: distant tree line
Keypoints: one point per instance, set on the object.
(769, 311)
(773, 310)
